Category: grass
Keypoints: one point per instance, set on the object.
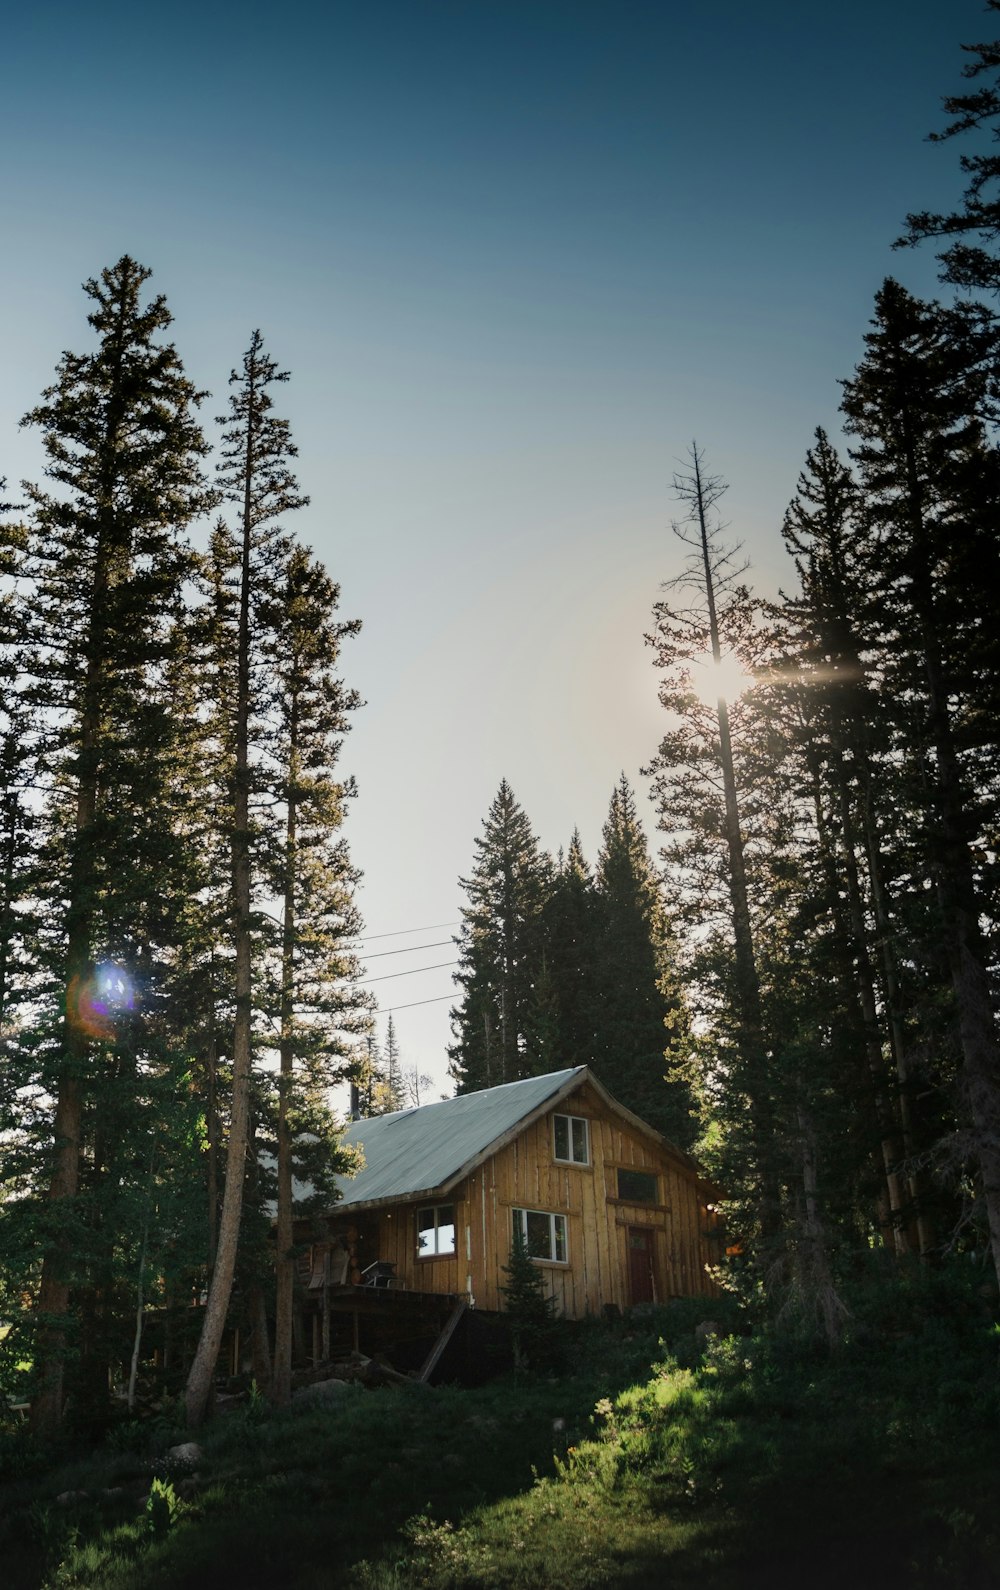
(650, 1462)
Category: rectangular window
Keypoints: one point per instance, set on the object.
(436, 1231)
(637, 1186)
(544, 1234)
(571, 1138)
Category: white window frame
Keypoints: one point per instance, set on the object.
(572, 1121)
(437, 1252)
(557, 1224)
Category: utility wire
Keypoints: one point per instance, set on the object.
(401, 932)
(388, 976)
(412, 950)
(412, 1006)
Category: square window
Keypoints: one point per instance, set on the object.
(571, 1139)
(544, 1234)
(637, 1186)
(436, 1231)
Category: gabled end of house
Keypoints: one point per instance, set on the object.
(612, 1213)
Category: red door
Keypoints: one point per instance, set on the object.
(640, 1265)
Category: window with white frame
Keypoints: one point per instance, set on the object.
(571, 1139)
(544, 1234)
(436, 1231)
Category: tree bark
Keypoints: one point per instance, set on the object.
(52, 1306)
(199, 1384)
(753, 1049)
(284, 1299)
(954, 877)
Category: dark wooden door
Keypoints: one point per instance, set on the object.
(640, 1265)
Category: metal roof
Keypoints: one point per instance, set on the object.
(420, 1150)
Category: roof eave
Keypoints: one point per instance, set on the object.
(384, 1203)
(576, 1079)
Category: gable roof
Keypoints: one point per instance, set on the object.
(428, 1150)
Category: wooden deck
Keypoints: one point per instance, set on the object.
(393, 1319)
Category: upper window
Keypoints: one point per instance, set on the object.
(436, 1231)
(637, 1186)
(544, 1234)
(571, 1135)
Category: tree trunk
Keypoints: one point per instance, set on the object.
(52, 1306)
(915, 1177)
(819, 1294)
(139, 1299)
(857, 975)
(281, 1388)
(199, 1383)
(752, 1045)
(954, 876)
(212, 1132)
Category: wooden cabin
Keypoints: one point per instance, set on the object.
(611, 1212)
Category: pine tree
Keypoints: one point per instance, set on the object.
(573, 947)
(932, 483)
(256, 478)
(368, 1075)
(640, 1013)
(501, 952)
(970, 264)
(696, 759)
(319, 1010)
(106, 562)
(394, 1068)
(17, 848)
(839, 727)
(529, 1309)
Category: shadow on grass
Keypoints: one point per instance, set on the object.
(754, 1463)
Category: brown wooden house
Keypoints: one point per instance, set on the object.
(611, 1213)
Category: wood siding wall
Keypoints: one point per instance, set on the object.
(525, 1175)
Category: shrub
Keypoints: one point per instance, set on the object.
(162, 1507)
(530, 1311)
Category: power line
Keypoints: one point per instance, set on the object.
(414, 1003)
(412, 950)
(401, 932)
(388, 976)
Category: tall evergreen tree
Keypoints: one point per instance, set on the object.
(640, 1038)
(573, 945)
(501, 952)
(106, 562)
(932, 482)
(697, 759)
(319, 1009)
(256, 478)
(736, 820)
(842, 734)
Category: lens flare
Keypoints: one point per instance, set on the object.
(725, 680)
(96, 1001)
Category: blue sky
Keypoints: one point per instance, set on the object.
(516, 255)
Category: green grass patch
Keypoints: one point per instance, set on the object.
(654, 1460)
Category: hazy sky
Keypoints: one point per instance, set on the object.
(516, 254)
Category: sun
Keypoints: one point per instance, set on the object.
(726, 679)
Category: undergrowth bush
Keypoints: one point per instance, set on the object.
(162, 1507)
(675, 1433)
